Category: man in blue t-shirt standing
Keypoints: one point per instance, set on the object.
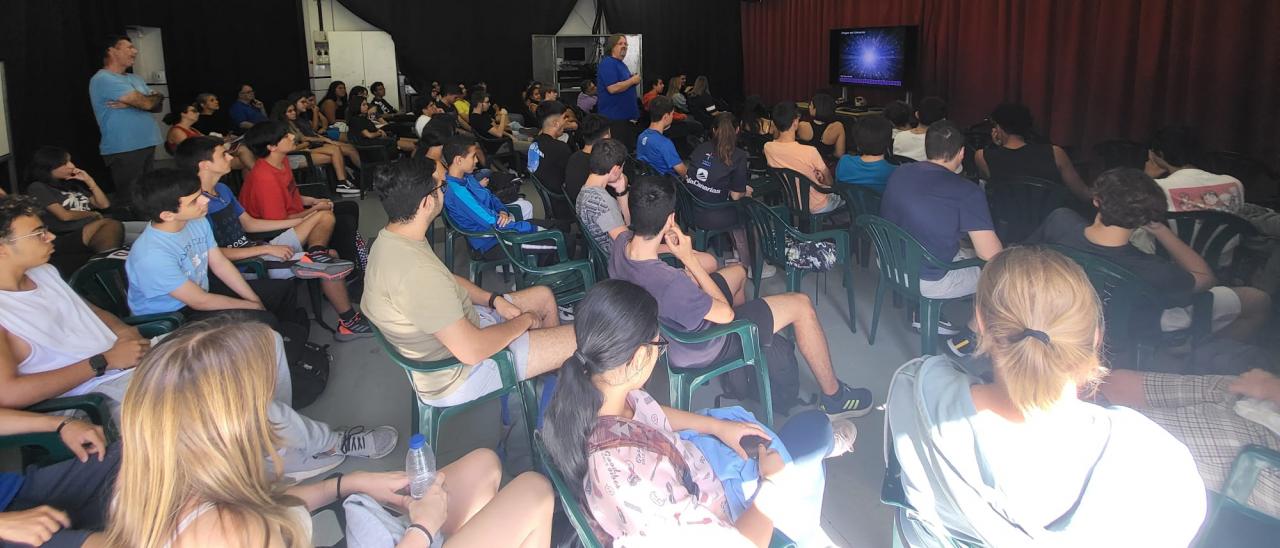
(656, 149)
(936, 206)
(122, 103)
(616, 84)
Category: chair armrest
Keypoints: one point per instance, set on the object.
(954, 265)
(155, 329)
(515, 212)
(172, 319)
(252, 266)
(743, 328)
(94, 405)
(1250, 462)
(540, 236)
(582, 266)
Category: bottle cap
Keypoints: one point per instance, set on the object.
(417, 441)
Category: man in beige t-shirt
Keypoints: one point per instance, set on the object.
(430, 314)
(785, 152)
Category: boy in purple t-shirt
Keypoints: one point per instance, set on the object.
(694, 299)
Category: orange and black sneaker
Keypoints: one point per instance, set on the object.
(319, 264)
(357, 328)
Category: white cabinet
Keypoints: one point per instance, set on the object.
(362, 58)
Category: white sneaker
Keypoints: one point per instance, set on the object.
(316, 465)
(767, 271)
(369, 444)
(844, 433)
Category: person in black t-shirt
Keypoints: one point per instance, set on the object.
(380, 99)
(1127, 199)
(486, 119)
(548, 156)
(361, 130)
(717, 174)
(593, 129)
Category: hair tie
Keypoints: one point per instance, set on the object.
(583, 360)
(1033, 333)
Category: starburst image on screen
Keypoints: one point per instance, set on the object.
(874, 57)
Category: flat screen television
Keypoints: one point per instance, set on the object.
(874, 56)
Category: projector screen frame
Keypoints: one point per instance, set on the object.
(910, 55)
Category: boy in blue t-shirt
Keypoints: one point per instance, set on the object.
(169, 264)
(872, 137)
(656, 149)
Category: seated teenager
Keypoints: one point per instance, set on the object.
(379, 100)
(939, 209)
(594, 128)
(1200, 411)
(300, 237)
(1126, 200)
(321, 153)
(270, 193)
(872, 138)
(720, 175)
(784, 151)
(214, 124)
(200, 418)
(909, 141)
(430, 314)
(587, 99)
(548, 155)
(694, 299)
(602, 204)
(823, 131)
(304, 104)
(450, 100)
(1026, 461)
(654, 148)
(431, 116)
(212, 120)
(618, 447)
(755, 117)
(72, 204)
(1013, 155)
(362, 131)
(52, 342)
(311, 113)
(334, 104)
(1186, 186)
(474, 208)
(169, 264)
(703, 106)
(657, 88)
(485, 119)
(63, 504)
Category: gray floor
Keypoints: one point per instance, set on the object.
(365, 387)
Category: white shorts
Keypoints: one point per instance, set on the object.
(484, 377)
(1226, 307)
(289, 239)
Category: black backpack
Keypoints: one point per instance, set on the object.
(784, 377)
(308, 362)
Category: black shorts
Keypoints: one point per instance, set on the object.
(755, 311)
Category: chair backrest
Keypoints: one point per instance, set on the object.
(549, 197)
(1209, 233)
(574, 510)
(1020, 204)
(899, 160)
(1121, 153)
(864, 199)
(103, 282)
(795, 189)
(771, 229)
(1121, 291)
(898, 253)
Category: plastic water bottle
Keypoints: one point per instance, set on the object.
(420, 465)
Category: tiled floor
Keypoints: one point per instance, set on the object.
(365, 387)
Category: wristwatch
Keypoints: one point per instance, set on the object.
(99, 365)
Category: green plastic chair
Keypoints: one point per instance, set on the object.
(427, 418)
(476, 264)
(863, 200)
(1124, 295)
(45, 448)
(773, 232)
(577, 514)
(683, 381)
(900, 256)
(1232, 503)
(795, 190)
(104, 283)
(1020, 204)
(1208, 233)
(689, 208)
(550, 197)
(569, 280)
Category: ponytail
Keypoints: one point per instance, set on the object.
(613, 321)
(726, 137)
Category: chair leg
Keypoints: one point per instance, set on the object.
(681, 391)
(529, 404)
(875, 313)
(930, 311)
(317, 302)
(766, 394)
(848, 289)
(449, 240)
(757, 262)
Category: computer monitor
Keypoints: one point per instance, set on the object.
(874, 56)
(575, 54)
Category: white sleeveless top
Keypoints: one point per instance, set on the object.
(299, 513)
(60, 328)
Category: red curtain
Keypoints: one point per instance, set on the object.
(1089, 70)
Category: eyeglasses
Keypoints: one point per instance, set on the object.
(661, 344)
(40, 232)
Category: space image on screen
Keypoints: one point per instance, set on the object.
(880, 56)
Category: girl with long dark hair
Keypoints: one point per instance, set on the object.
(334, 103)
(720, 175)
(73, 204)
(637, 476)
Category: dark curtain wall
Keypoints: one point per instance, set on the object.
(466, 41)
(1090, 70)
(694, 38)
(49, 49)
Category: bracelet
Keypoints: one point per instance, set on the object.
(339, 485)
(430, 538)
(64, 422)
(493, 297)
